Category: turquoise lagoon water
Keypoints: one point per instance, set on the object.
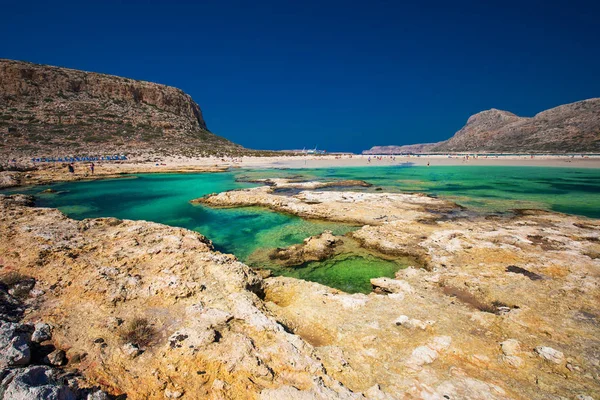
(486, 189)
(165, 198)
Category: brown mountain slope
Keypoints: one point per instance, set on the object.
(568, 128)
(571, 127)
(52, 111)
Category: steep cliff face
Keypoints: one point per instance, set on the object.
(45, 110)
(571, 127)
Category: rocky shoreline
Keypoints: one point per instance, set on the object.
(525, 277)
(58, 173)
(507, 307)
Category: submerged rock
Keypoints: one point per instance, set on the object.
(15, 339)
(314, 248)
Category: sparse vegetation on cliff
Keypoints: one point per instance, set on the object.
(46, 111)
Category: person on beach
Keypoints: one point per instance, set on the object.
(92, 168)
(71, 168)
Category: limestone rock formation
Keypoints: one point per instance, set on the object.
(495, 314)
(24, 349)
(353, 207)
(154, 312)
(53, 111)
(314, 248)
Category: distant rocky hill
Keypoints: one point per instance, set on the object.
(52, 111)
(568, 128)
(408, 148)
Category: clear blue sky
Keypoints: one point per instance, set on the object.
(343, 75)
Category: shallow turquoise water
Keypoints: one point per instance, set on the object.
(492, 189)
(165, 198)
(347, 272)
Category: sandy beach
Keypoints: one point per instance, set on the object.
(329, 161)
(53, 172)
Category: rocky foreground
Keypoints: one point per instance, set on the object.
(503, 307)
(494, 308)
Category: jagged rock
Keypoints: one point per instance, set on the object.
(97, 395)
(11, 309)
(14, 344)
(57, 358)
(41, 333)
(550, 354)
(77, 357)
(34, 383)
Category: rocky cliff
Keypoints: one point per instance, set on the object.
(52, 111)
(568, 128)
